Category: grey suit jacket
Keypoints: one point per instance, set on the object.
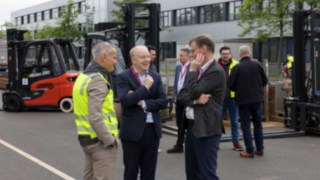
(208, 117)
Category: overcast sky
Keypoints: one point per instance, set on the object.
(7, 6)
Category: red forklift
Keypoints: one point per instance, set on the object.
(41, 73)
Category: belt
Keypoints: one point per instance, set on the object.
(148, 125)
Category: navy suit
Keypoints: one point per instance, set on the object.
(179, 107)
(140, 141)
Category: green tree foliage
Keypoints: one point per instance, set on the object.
(67, 26)
(119, 14)
(2, 34)
(267, 19)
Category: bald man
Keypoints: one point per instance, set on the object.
(142, 96)
(248, 79)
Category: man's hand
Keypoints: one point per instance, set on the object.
(197, 63)
(203, 99)
(148, 82)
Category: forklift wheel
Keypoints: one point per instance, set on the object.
(13, 103)
(66, 105)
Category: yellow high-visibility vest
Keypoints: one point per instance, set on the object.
(81, 114)
(232, 64)
(290, 62)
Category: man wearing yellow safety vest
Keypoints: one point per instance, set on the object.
(94, 114)
(227, 63)
(288, 65)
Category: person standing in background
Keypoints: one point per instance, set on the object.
(153, 56)
(227, 63)
(248, 79)
(180, 75)
(94, 114)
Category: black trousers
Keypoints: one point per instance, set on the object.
(181, 126)
(141, 156)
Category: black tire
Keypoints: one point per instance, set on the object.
(13, 103)
(66, 105)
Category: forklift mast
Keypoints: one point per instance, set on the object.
(141, 19)
(14, 40)
(141, 26)
(302, 111)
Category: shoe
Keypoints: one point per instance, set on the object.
(159, 150)
(258, 153)
(237, 146)
(175, 149)
(245, 154)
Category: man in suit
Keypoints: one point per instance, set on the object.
(181, 72)
(142, 96)
(248, 79)
(204, 92)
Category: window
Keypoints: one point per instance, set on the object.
(22, 20)
(42, 16)
(166, 19)
(39, 18)
(31, 18)
(186, 16)
(234, 8)
(55, 13)
(46, 15)
(18, 20)
(83, 7)
(212, 13)
(28, 19)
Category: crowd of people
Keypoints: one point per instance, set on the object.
(204, 89)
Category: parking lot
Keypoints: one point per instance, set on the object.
(43, 145)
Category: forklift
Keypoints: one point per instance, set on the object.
(141, 27)
(41, 73)
(302, 110)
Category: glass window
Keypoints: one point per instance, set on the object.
(206, 14)
(55, 13)
(46, 15)
(191, 16)
(18, 20)
(166, 19)
(234, 9)
(39, 18)
(31, 18)
(217, 12)
(22, 20)
(83, 7)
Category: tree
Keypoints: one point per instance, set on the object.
(267, 19)
(119, 14)
(67, 26)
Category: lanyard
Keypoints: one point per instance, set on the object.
(136, 75)
(182, 73)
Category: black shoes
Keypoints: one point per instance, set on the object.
(175, 149)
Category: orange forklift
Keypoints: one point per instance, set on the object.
(41, 73)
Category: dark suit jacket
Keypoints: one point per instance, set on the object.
(208, 117)
(176, 79)
(133, 116)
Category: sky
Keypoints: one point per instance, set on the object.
(7, 6)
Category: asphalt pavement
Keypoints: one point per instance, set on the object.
(42, 145)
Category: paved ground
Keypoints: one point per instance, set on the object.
(50, 137)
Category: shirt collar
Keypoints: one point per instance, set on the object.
(206, 65)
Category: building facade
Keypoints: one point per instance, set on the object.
(180, 21)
